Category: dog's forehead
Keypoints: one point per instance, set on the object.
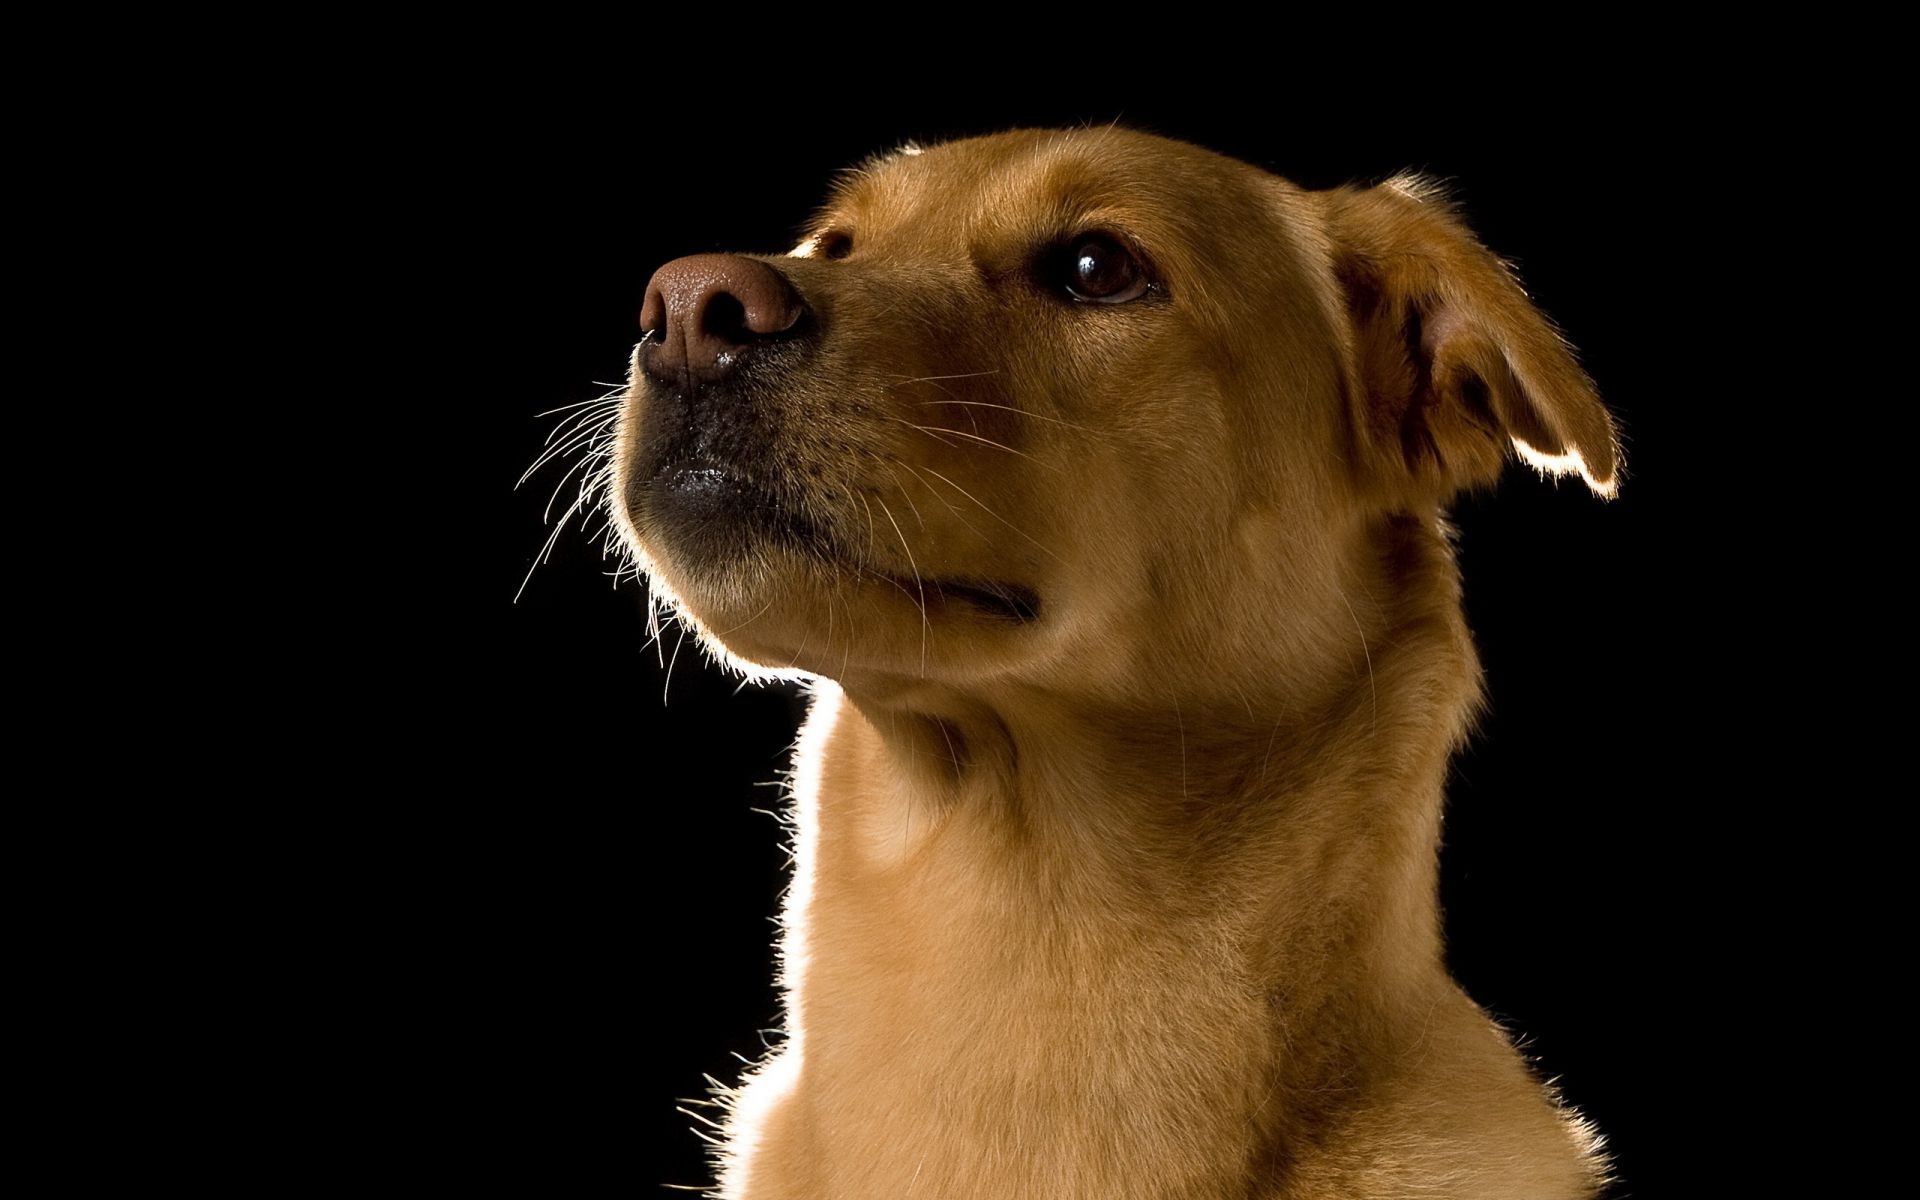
(1043, 176)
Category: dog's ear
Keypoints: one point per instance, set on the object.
(1451, 361)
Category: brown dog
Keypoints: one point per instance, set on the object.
(1098, 481)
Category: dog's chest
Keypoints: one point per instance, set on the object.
(969, 1030)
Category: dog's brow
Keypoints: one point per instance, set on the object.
(841, 192)
(849, 186)
(846, 193)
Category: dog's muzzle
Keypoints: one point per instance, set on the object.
(721, 331)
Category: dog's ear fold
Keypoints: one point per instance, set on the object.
(1451, 361)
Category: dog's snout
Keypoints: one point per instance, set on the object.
(704, 309)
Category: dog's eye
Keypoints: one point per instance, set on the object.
(835, 244)
(1101, 270)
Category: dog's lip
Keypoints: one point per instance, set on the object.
(999, 599)
(696, 469)
(706, 479)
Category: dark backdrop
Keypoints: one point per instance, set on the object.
(609, 878)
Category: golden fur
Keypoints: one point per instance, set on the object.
(1135, 897)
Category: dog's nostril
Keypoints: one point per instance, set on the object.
(726, 319)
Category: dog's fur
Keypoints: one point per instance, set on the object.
(1139, 657)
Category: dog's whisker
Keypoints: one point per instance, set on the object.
(905, 380)
(1021, 411)
(653, 640)
(561, 449)
(583, 403)
(930, 432)
(573, 442)
(935, 432)
(889, 580)
(654, 612)
(595, 422)
(1371, 685)
(593, 484)
(916, 581)
(935, 381)
(996, 516)
(565, 426)
(589, 461)
(935, 493)
(949, 391)
(870, 535)
(985, 441)
(677, 643)
(807, 635)
(901, 488)
(742, 625)
(545, 550)
(846, 655)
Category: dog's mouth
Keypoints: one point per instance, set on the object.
(707, 509)
(710, 511)
(1010, 602)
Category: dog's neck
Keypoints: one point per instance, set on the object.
(1265, 832)
(1300, 813)
(1256, 871)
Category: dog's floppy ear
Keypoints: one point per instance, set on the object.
(1451, 361)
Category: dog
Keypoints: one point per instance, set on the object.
(1096, 484)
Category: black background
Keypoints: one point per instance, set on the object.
(604, 886)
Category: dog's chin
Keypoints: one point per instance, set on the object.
(771, 589)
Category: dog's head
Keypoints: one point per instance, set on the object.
(1071, 408)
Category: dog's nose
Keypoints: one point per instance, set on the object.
(706, 308)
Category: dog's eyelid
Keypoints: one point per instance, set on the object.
(829, 242)
(1113, 233)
